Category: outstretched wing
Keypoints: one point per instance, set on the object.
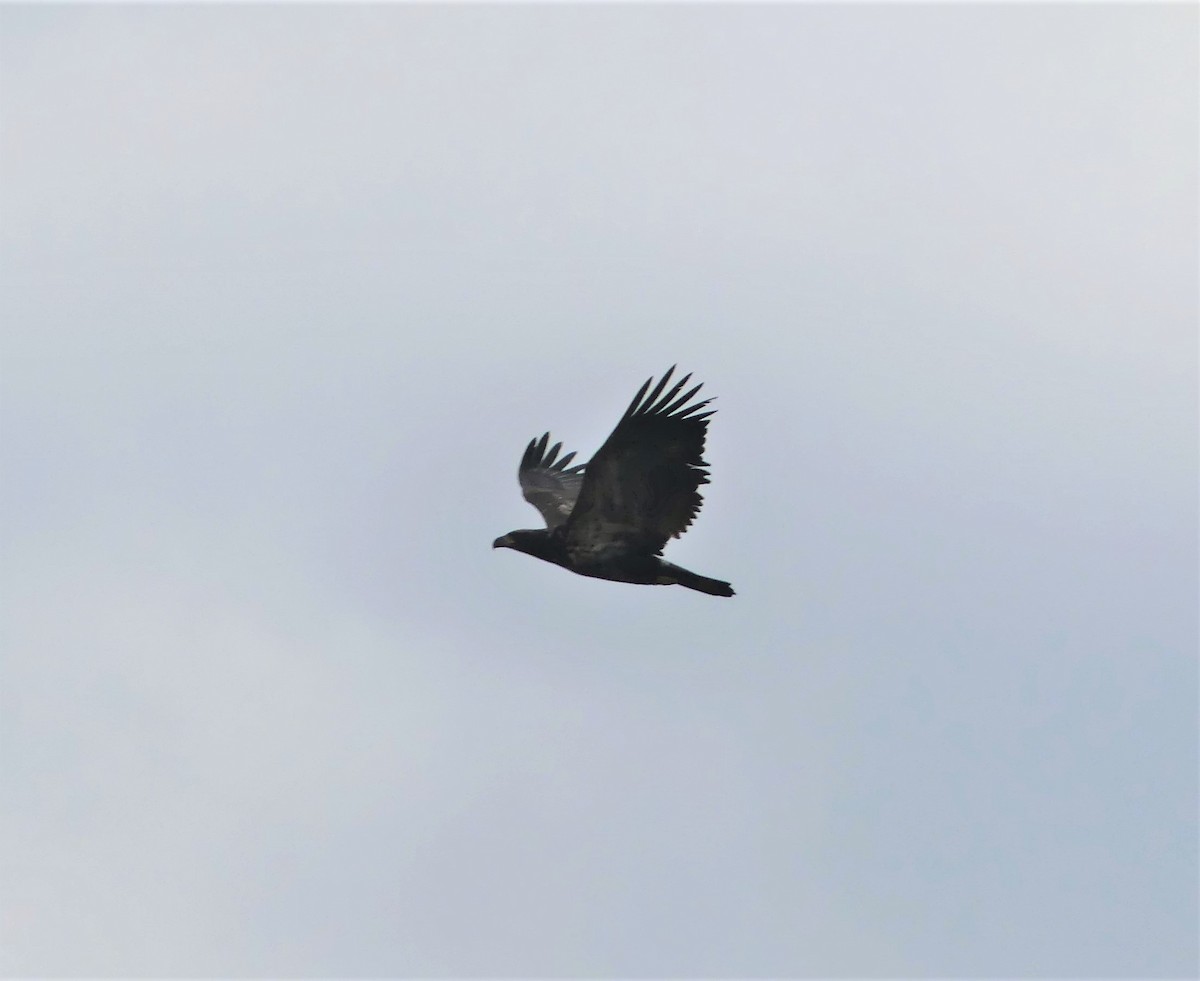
(548, 484)
(641, 488)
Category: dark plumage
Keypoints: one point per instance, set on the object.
(612, 517)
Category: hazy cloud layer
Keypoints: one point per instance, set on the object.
(287, 288)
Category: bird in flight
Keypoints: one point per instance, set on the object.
(612, 517)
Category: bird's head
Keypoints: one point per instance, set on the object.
(531, 541)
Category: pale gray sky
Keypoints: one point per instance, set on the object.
(285, 291)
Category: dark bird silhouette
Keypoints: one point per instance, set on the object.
(611, 518)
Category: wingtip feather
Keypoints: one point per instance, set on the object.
(653, 396)
(637, 398)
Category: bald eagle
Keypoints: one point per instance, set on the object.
(611, 518)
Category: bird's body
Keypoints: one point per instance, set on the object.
(612, 518)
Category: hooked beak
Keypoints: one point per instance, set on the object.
(502, 542)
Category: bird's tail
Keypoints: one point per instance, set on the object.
(702, 584)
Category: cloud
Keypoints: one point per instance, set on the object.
(287, 289)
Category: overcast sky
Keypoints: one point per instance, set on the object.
(285, 292)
